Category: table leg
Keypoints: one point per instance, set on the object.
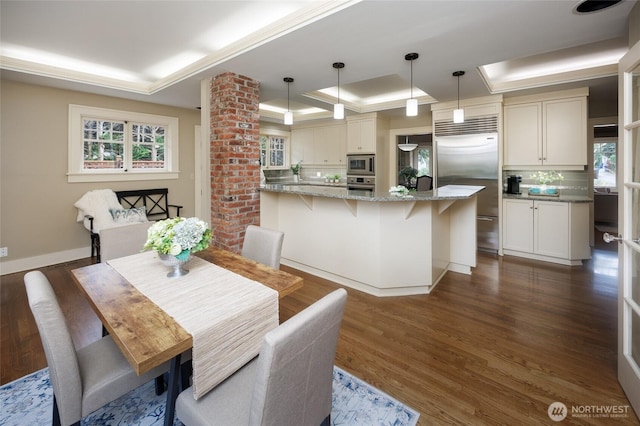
(172, 392)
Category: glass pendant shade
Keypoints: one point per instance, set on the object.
(338, 111)
(406, 146)
(412, 107)
(288, 118)
(458, 115)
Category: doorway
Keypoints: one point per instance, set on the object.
(420, 158)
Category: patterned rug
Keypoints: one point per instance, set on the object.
(27, 401)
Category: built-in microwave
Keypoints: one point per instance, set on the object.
(361, 165)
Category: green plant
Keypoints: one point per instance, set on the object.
(295, 169)
(407, 173)
(178, 236)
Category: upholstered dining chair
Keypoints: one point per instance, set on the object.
(263, 245)
(120, 241)
(82, 380)
(289, 383)
(424, 183)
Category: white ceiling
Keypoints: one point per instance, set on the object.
(158, 51)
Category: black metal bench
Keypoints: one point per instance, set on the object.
(155, 202)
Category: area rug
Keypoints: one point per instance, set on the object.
(28, 401)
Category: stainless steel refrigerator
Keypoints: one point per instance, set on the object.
(473, 160)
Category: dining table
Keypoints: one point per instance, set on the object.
(149, 331)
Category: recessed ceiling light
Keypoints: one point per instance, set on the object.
(589, 6)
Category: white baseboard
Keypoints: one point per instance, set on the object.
(28, 263)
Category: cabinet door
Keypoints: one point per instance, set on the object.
(565, 132)
(330, 145)
(551, 225)
(517, 225)
(522, 134)
(302, 146)
(361, 136)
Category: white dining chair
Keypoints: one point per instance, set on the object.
(263, 245)
(289, 383)
(82, 380)
(120, 241)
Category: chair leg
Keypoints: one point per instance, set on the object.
(56, 413)
(186, 370)
(160, 384)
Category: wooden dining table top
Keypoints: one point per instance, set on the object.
(146, 334)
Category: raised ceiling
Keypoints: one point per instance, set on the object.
(159, 51)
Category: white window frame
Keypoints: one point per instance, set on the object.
(76, 171)
(287, 148)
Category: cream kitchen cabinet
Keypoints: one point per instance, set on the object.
(320, 145)
(551, 132)
(552, 231)
(361, 136)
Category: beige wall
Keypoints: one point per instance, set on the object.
(37, 217)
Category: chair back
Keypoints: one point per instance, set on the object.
(58, 346)
(263, 245)
(294, 375)
(123, 241)
(424, 183)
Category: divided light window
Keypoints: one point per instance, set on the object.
(273, 151)
(107, 145)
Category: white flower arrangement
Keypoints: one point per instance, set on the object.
(399, 190)
(545, 178)
(178, 236)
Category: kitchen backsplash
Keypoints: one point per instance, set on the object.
(575, 182)
(309, 174)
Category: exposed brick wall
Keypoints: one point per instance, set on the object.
(235, 158)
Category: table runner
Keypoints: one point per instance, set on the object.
(226, 313)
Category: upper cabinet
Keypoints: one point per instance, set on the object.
(366, 134)
(547, 132)
(319, 144)
(361, 136)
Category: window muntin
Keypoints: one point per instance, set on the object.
(273, 151)
(112, 145)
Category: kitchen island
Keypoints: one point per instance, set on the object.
(376, 242)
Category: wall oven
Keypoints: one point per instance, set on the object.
(361, 183)
(361, 165)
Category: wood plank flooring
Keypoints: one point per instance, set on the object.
(493, 348)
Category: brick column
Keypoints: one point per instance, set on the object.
(235, 158)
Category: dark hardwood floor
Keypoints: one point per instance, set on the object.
(494, 348)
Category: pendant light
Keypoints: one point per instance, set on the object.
(458, 114)
(288, 116)
(412, 104)
(338, 109)
(406, 146)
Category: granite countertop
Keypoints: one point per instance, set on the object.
(562, 198)
(449, 192)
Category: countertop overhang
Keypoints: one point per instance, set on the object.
(448, 192)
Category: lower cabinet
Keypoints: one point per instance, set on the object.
(546, 230)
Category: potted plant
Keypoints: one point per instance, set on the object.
(296, 171)
(409, 175)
